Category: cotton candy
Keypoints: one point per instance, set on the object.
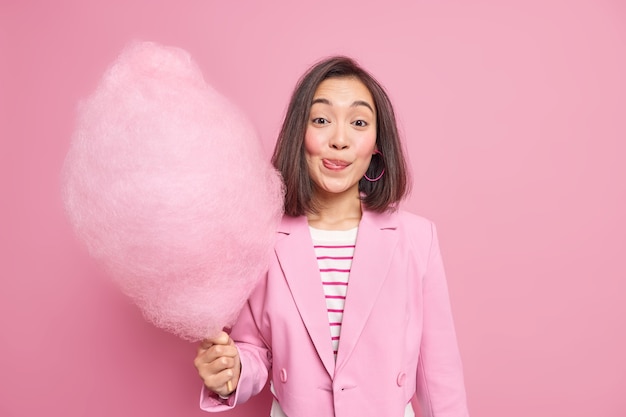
(168, 187)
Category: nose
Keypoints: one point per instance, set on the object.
(339, 140)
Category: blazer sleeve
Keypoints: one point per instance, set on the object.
(440, 386)
(255, 360)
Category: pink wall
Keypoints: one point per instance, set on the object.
(514, 114)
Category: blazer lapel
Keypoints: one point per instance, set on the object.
(297, 259)
(375, 245)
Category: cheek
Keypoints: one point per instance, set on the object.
(366, 145)
(312, 143)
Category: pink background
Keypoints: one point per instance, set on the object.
(514, 116)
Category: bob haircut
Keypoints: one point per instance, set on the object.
(289, 155)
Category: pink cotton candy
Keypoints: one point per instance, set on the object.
(167, 185)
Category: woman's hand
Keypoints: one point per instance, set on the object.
(218, 364)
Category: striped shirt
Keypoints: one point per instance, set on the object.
(334, 250)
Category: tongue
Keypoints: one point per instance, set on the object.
(335, 164)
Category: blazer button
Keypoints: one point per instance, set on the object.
(401, 379)
(283, 375)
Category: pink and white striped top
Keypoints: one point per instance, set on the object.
(334, 250)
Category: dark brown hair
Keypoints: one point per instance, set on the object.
(289, 157)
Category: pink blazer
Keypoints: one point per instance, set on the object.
(397, 335)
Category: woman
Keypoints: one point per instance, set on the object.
(353, 317)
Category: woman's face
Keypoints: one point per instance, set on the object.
(341, 135)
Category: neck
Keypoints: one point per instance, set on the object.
(336, 211)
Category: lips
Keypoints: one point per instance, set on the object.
(334, 164)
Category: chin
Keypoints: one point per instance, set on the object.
(339, 189)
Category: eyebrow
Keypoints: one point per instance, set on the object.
(355, 104)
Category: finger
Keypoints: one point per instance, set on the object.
(228, 384)
(222, 338)
(229, 350)
(205, 344)
(223, 362)
(216, 359)
(209, 371)
(201, 351)
(219, 382)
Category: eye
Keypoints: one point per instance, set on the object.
(320, 121)
(360, 123)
